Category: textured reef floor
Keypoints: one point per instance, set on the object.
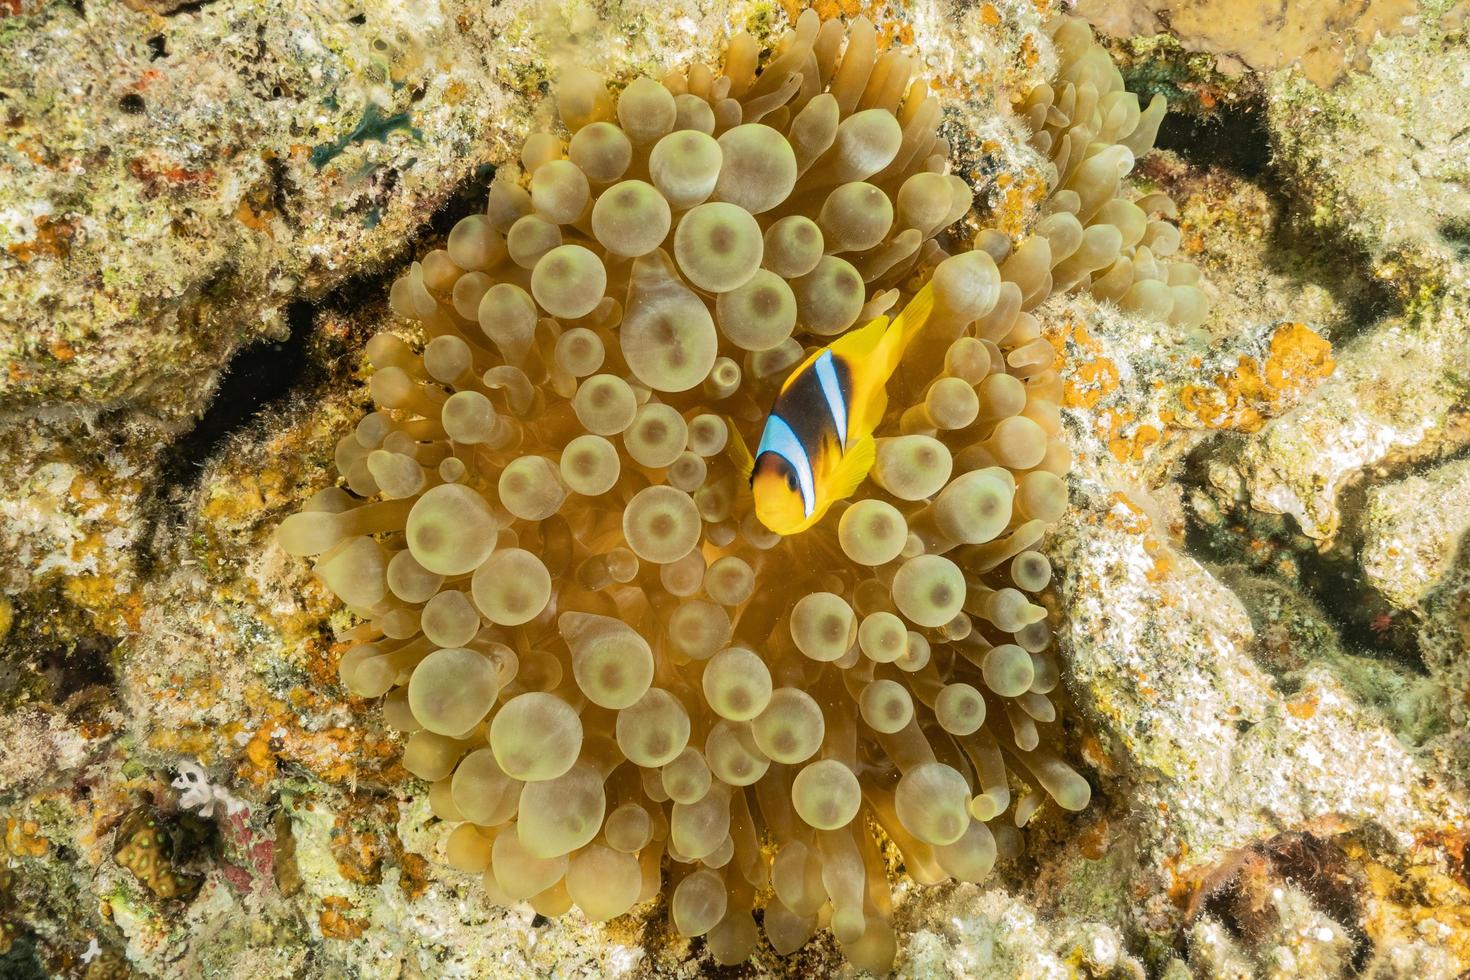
(1264, 582)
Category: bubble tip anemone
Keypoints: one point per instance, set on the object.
(605, 667)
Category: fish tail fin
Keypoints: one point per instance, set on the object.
(738, 451)
(904, 328)
(878, 348)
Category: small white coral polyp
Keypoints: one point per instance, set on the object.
(614, 678)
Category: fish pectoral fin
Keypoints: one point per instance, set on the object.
(744, 495)
(856, 463)
(869, 413)
(739, 452)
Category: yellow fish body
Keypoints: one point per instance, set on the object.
(817, 445)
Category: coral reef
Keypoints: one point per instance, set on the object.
(1260, 637)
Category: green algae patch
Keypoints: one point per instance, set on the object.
(374, 126)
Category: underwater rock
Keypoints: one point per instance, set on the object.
(173, 182)
(1412, 530)
(1382, 157)
(1394, 397)
(1325, 39)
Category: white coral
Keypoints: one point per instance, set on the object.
(197, 791)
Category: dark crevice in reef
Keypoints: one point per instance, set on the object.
(256, 377)
(264, 374)
(51, 653)
(77, 666)
(467, 199)
(1457, 235)
(1339, 267)
(21, 962)
(191, 7)
(1365, 623)
(1234, 139)
(1237, 892)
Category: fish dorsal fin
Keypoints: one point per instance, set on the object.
(873, 352)
(905, 327)
(853, 469)
(739, 452)
(859, 343)
(801, 369)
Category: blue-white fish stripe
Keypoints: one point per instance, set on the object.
(779, 439)
(836, 404)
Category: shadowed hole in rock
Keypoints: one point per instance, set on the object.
(77, 666)
(1234, 138)
(1274, 545)
(265, 373)
(20, 961)
(1240, 891)
(51, 666)
(1457, 234)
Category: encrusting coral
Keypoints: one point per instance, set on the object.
(600, 656)
(145, 848)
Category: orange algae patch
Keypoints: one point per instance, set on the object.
(53, 240)
(1298, 354)
(334, 755)
(1096, 755)
(1017, 203)
(1136, 446)
(243, 499)
(1245, 398)
(336, 923)
(359, 854)
(116, 612)
(1429, 897)
(1163, 560)
(1090, 382)
(259, 766)
(1093, 841)
(1242, 400)
(256, 217)
(1124, 515)
(338, 755)
(1302, 708)
(23, 838)
(413, 874)
(1181, 886)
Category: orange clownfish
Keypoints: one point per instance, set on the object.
(817, 445)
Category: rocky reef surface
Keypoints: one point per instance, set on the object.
(1264, 588)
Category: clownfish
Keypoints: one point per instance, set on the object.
(817, 446)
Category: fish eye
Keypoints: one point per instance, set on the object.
(791, 481)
